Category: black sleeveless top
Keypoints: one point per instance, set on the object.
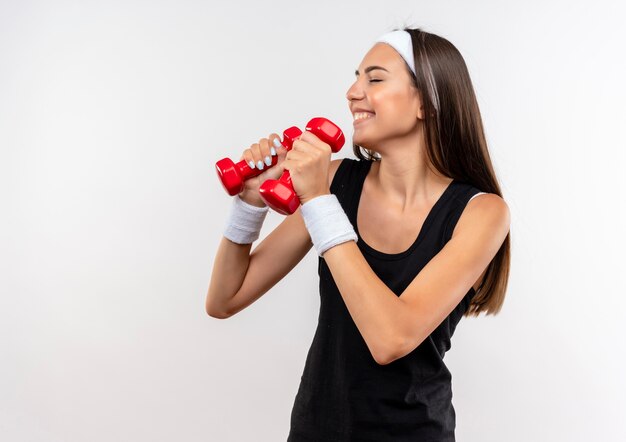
(344, 394)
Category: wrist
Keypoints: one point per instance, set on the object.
(249, 198)
(244, 222)
(307, 199)
(327, 222)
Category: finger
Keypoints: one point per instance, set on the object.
(315, 141)
(310, 137)
(276, 144)
(286, 165)
(295, 155)
(293, 165)
(301, 145)
(264, 144)
(258, 156)
(247, 155)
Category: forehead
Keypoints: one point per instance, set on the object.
(381, 54)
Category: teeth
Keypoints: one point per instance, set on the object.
(361, 115)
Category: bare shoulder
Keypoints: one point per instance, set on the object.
(332, 169)
(488, 210)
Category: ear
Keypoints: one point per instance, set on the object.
(419, 105)
(420, 112)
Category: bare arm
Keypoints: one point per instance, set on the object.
(240, 278)
(229, 270)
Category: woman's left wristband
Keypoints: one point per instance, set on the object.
(327, 223)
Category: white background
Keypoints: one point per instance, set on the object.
(112, 116)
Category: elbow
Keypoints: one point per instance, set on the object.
(382, 361)
(394, 352)
(386, 358)
(214, 312)
(217, 315)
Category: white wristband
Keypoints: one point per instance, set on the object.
(327, 222)
(245, 221)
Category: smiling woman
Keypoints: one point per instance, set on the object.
(411, 237)
(424, 256)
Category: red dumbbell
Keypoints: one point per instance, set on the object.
(233, 175)
(279, 194)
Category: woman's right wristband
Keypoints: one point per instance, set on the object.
(244, 222)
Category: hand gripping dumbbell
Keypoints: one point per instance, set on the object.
(234, 175)
(279, 194)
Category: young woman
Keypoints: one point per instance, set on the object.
(411, 237)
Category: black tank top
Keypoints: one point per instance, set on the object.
(344, 394)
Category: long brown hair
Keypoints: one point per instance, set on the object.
(455, 143)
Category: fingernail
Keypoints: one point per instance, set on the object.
(259, 165)
(268, 161)
(273, 151)
(277, 143)
(251, 163)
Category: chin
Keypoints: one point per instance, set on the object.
(360, 141)
(365, 143)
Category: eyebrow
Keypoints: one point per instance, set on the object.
(369, 69)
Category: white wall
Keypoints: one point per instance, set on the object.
(112, 115)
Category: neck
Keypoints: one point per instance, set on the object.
(403, 175)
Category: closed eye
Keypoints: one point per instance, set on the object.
(372, 81)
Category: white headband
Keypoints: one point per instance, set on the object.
(401, 42)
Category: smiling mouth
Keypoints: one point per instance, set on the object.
(362, 116)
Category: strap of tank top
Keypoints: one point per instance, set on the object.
(339, 177)
(346, 179)
(479, 193)
(347, 182)
(462, 198)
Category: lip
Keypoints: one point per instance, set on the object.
(355, 110)
(362, 120)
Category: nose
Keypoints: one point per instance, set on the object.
(355, 91)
